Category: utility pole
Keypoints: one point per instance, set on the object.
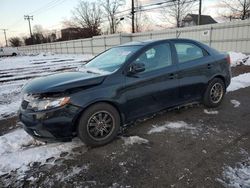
(4, 31)
(133, 16)
(27, 17)
(199, 17)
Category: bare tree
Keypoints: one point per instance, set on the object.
(38, 29)
(177, 10)
(15, 41)
(238, 9)
(111, 8)
(88, 16)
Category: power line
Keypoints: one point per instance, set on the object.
(44, 7)
(149, 7)
(41, 10)
(168, 5)
(58, 2)
(130, 12)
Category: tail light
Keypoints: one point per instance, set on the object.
(228, 59)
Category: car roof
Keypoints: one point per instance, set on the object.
(145, 43)
(148, 42)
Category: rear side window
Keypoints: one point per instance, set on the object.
(188, 52)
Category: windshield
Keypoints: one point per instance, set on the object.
(112, 59)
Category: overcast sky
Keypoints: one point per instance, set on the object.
(51, 13)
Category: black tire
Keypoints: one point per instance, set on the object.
(88, 126)
(209, 98)
(14, 54)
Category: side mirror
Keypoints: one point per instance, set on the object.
(136, 68)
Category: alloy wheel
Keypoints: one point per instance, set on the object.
(216, 93)
(100, 125)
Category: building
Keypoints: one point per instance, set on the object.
(192, 20)
(71, 33)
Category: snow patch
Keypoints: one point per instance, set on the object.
(235, 103)
(239, 59)
(15, 141)
(134, 140)
(17, 71)
(170, 125)
(238, 82)
(18, 150)
(211, 112)
(237, 177)
(62, 176)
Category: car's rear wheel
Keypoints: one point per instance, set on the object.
(14, 54)
(214, 93)
(99, 124)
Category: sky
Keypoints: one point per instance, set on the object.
(50, 14)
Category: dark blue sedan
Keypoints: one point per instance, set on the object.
(120, 85)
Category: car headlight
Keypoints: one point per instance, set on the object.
(39, 104)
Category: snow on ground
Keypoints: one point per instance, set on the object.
(74, 171)
(235, 103)
(239, 59)
(237, 177)
(238, 82)
(134, 140)
(210, 112)
(170, 125)
(19, 150)
(242, 80)
(17, 71)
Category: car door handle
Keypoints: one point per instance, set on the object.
(209, 66)
(172, 76)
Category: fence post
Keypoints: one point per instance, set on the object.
(74, 46)
(177, 33)
(60, 44)
(120, 36)
(105, 46)
(210, 36)
(92, 47)
(82, 47)
(67, 47)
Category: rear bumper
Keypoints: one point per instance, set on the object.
(52, 125)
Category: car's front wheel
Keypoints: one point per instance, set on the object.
(99, 124)
(214, 93)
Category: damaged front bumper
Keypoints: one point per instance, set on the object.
(57, 124)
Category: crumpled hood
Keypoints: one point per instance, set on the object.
(61, 82)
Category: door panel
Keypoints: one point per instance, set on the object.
(192, 78)
(156, 87)
(192, 62)
(152, 92)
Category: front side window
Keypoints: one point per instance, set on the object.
(157, 57)
(112, 59)
(188, 52)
